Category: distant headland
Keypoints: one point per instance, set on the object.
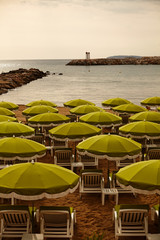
(117, 60)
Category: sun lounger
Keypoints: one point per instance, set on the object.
(124, 163)
(131, 220)
(153, 154)
(63, 157)
(57, 222)
(91, 181)
(15, 220)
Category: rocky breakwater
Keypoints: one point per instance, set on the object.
(115, 61)
(17, 78)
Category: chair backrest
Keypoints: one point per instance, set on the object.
(88, 160)
(92, 179)
(16, 217)
(59, 144)
(38, 138)
(153, 154)
(132, 216)
(63, 157)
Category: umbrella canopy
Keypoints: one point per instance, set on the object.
(112, 102)
(150, 116)
(4, 118)
(48, 119)
(8, 129)
(33, 181)
(74, 131)
(101, 119)
(7, 112)
(112, 147)
(141, 177)
(12, 148)
(84, 109)
(41, 102)
(151, 101)
(77, 102)
(8, 105)
(38, 109)
(141, 129)
(129, 108)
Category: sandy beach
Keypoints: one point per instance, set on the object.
(91, 216)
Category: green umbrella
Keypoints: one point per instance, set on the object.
(84, 109)
(150, 116)
(141, 177)
(77, 102)
(115, 102)
(38, 109)
(41, 102)
(74, 131)
(7, 112)
(151, 101)
(141, 129)
(12, 148)
(101, 119)
(4, 118)
(8, 105)
(112, 147)
(33, 181)
(48, 119)
(9, 129)
(129, 108)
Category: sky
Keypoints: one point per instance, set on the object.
(66, 29)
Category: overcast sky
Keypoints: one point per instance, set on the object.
(66, 29)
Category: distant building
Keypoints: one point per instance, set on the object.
(87, 55)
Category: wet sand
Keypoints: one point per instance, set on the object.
(91, 216)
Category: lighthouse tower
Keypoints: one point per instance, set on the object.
(87, 55)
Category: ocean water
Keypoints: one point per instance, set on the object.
(93, 83)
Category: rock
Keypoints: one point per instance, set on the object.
(17, 78)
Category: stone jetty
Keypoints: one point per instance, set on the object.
(116, 61)
(16, 78)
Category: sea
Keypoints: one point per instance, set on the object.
(93, 83)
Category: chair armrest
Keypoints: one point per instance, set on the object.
(55, 160)
(102, 182)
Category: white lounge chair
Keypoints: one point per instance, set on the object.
(88, 161)
(131, 220)
(63, 157)
(91, 181)
(15, 220)
(57, 222)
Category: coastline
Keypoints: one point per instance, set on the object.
(16, 78)
(116, 61)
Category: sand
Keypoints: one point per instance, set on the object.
(91, 216)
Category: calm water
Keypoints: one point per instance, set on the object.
(93, 83)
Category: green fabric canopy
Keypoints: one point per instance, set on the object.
(4, 118)
(74, 131)
(115, 102)
(150, 116)
(112, 147)
(9, 129)
(129, 108)
(141, 129)
(84, 109)
(101, 119)
(141, 177)
(41, 102)
(48, 119)
(12, 148)
(8, 105)
(38, 109)
(151, 101)
(77, 102)
(33, 181)
(7, 112)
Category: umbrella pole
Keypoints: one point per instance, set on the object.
(108, 185)
(33, 225)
